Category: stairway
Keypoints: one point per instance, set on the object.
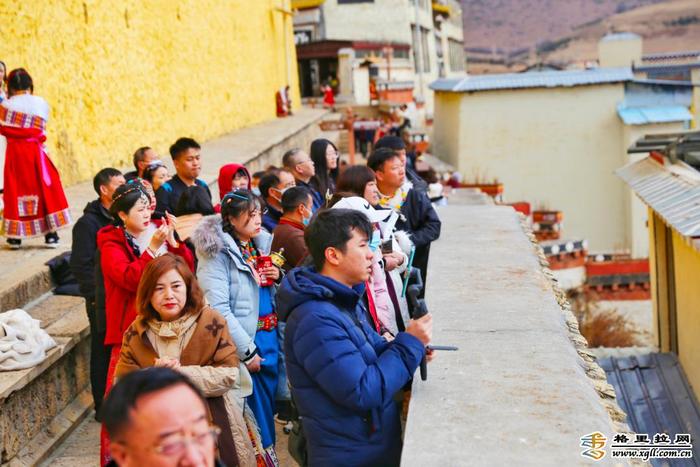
(40, 406)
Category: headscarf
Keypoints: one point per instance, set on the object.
(226, 174)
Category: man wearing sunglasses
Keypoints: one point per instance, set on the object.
(157, 417)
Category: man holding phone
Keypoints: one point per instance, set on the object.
(343, 375)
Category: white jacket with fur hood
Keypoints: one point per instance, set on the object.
(228, 281)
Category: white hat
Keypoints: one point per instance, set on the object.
(357, 203)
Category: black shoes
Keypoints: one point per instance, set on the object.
(51, 240)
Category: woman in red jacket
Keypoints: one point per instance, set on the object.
(125, 249)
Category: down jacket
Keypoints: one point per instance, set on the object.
(342, 374)
(228, 281)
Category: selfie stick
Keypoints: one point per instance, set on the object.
(409, 271)
(419, 310)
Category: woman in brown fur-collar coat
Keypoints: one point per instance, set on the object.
(176, 329)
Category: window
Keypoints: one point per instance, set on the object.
(401, 53)
(425, 4)
(456, 55)
(423, 49)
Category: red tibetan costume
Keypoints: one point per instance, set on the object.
(328, 98)
(35, 203)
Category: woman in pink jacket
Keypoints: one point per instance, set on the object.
(390, 259)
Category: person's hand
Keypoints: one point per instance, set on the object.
(172, 363)
(254, 363)
(158, 238)
(429, 354)
(421, 329)
(393, 260)
(171, 221)
(271, 273)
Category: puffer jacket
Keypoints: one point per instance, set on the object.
(343, 375)
(228, 281)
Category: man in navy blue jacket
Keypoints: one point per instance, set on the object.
(342, 373)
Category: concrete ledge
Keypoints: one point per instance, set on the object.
(23, 286)
(518, 391)
(65, 320)
(60, 428)
(259, 146)
(44, 402)
(27, 412)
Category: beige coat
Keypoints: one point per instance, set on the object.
(207, 355)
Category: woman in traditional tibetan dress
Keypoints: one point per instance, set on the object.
(34, 201)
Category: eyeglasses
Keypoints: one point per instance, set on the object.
(176, 444)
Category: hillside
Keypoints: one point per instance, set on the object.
(510, 35)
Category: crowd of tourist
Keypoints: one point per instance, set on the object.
(282, 300)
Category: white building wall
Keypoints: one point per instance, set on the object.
(556, 148)
(381, 20)
(391, 21)
(423, 16)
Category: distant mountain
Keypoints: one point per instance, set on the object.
(511, 35)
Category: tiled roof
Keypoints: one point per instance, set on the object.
(653, 391)
(667, 67)
(691, 54)
(653, 114)
(670, 189)
(535, 79)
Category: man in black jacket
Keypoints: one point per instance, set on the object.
(399, 147)
(186, 155)
(418, 217)
(82, 263)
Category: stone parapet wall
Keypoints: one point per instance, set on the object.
(30, 410)
(523, 387)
